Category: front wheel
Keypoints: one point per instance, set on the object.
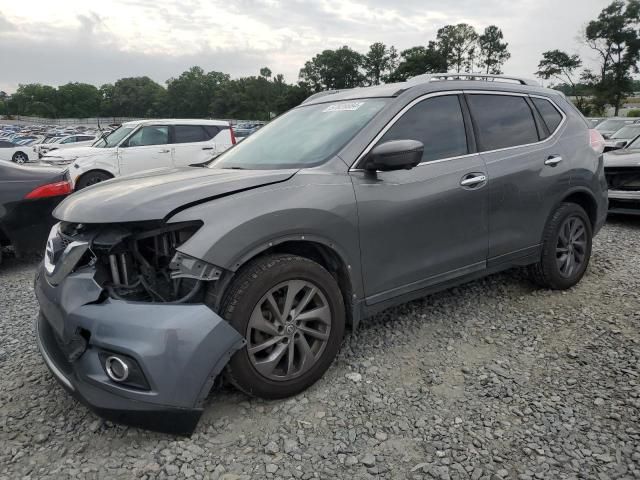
(91, 178)
(291, 312)
(20, 158)
(566, 248)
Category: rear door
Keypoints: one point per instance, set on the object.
(426, 225)
(525, 165)
(193, 144)
(146, 149)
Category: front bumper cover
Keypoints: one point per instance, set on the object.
(179, 348)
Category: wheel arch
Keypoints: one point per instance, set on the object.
(93, 170)
(319, 250)
(586, 200)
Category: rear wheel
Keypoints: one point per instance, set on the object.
(91, 178)
(566, 248)
(291, 313)
(20, 157)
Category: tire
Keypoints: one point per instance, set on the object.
(246, 306)
(20, 158)
(556, 269)
(91, 178)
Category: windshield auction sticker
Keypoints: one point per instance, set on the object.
(344, 107)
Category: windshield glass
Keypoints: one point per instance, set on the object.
(114, 138)
(629, 131)
(611, 125)
(302, 137)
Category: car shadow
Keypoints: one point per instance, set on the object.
(631, 221)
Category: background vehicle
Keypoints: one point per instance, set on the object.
(622, 170)
(595, 121)
(145, 145)
(622, 137)
(348, 204)
(28, 195)
(17, 153)
(243, 130)
(611, 125)
(65, 142)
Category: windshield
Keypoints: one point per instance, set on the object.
(302, 137)
(629, 131)
(114, 138)
(611, 125)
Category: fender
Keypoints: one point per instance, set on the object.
(316, 207)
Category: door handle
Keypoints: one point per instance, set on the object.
(165, 151)
(207, 148)
(553, 160)
(473, 179)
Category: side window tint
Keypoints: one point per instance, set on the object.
(502, 121)
(550, 114)
(151, 135)
(212, 130)
(189, 134)
(437, 123)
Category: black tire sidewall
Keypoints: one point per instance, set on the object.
(239, 304)
(19, 155)
(548, 261)
(82, 183)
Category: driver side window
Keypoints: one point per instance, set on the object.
(438, 123)
(149, 135)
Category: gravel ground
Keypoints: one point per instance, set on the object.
(491, 380)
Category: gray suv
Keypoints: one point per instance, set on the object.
(153, 286)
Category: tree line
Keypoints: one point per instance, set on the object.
(197, 94)
(614, 37)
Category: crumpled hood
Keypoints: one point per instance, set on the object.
(155, 194)
(622, 158)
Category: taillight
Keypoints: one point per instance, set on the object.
(596, 141)
(233, 135)
(50, 190)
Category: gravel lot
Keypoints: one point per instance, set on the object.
(491, 380)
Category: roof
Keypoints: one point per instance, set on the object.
(176, 121)
(437, 82)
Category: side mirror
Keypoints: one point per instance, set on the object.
(395, 155)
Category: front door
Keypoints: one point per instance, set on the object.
(147, 149)
(429, 224)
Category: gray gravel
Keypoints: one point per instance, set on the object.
(491, 380)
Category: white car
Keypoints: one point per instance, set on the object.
(78, 140)
(144, 145)
(12, 152)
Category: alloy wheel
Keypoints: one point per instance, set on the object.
(288, 330)
(571, 247)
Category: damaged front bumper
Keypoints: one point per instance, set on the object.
(175, 351)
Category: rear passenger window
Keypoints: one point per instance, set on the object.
(190, 133)
(212, 130)
(502, 121)
(437, 123)
(548, 112)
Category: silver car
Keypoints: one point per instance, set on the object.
(622, 170)
(358, 200)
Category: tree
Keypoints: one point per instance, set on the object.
(562, 66)
(614, 37)
(77, 100)
(192, 93)
(379, 63)
(417, 61)
(493, 51)
(138, 97)
(265, 72)
(333, 70)
(457, 44)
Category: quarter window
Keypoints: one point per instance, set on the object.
(548, 112)
(436, 122)
(502, 121)
(190, 134)
(150, 135)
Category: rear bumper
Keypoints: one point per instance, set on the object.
(180, 349)
(624, 202)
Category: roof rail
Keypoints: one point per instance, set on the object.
(434, 77)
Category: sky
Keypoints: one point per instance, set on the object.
(98, 41)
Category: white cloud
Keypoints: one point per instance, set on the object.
(99, 41)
